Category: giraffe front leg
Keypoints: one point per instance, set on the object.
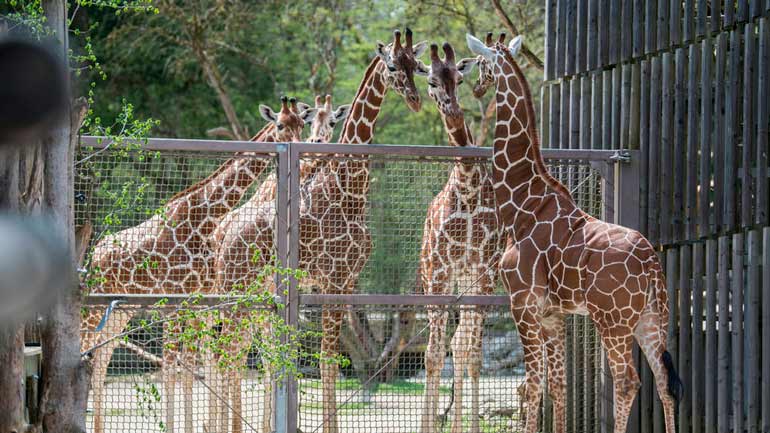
(462, 352)
(331, 321)
(474, 368)
(554, 337)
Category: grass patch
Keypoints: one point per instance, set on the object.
(404, 387)
(340, 385)
(345, 407)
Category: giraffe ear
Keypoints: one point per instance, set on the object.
(419, 48)
(268, 114)
(301, 106)
(422, 69)
(478, 47)
(383, 52)
(308, 115)
(465, 66)
(515, 45)
(340, 114)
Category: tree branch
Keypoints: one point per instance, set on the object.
(525, 51)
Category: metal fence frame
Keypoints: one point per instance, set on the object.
(620, 176)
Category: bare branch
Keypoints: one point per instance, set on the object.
(525, 51)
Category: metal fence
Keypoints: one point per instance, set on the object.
(253, 198)
(686, 83)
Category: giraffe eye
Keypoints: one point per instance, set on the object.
(280, 126)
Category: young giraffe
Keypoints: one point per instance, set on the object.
(248, 227)
(169, 254)
(461, 246)
(560, 260)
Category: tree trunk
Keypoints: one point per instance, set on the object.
(64, 383)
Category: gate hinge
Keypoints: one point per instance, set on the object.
(621, 156)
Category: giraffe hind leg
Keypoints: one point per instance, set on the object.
(554, 336)
(618, 345)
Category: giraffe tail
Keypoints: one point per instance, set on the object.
(675, 386)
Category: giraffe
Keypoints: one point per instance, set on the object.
(169, 254)
(461, 246)
(233, 242)
(559, 260)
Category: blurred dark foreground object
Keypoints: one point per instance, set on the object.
(34, 267)
(33, 90)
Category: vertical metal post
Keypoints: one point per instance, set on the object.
(287, 241)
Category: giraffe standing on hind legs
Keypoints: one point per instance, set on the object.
(461, 246)
(560, 260)
(240, 234)
(169, 254)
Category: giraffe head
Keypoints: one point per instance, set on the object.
(325, 119)
(290, 119)
(444, 77)
(486, 77)
(401, 66)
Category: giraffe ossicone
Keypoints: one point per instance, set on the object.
(560, 260)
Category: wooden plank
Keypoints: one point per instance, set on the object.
(765, 316)
(719, 125)
(653, 191)
(596, 110)
(663, 11)
(736, 295)
(570, 48)
(675, 22)
(753, 340)
(626, 32)
(554, 117)
(614, 33)
(604, 33)
(644, 145)
(634, 105)
(666, 145)
(674, 325)
(585, 113)
(650, 25)
(574, 113)
(593, 34)
(724, 351)
(638, 28)
(705, 138)
(581, 36)
(729, 14)
(749, 134)
(697, 381)
(545, 97)
(689, 20)
(680, 151)
(763, 125)
(711, 337)
(716, 11)
(691, 186)
(561, 38)
(625, 105)
(756, 8)
(551, 20)
(607, 109)
(743, 11)
(700, 22)
(685, 360)
(565, 113)
(732, 90)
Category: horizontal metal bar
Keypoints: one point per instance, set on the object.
(152, 300)
(357, 299)
(228, 146)
(172, 144)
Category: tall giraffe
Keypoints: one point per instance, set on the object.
(560, 260)
(169, 254)
(234, 242)
(461, 246)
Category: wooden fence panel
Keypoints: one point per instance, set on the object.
(763, 124)
(663, 17)
(570, 47)
(696, 373)
(705, 138)
(765, 318)
(617, 90)
(747, 183)
(680, 155)
(654, 149)
(666, 145)
(753, 341)
(736, 293)
(710, 401)
(732, 90)
(650, 26)
(729, 14)
(718, 134)
(607, 109)
(700, 26)
(561, 38)
(638, 28)
(604, 33)
(692, 142)
(581, 36)
(564, 126)
(685, 340)
(724, 345)
(644, 144)
(593, 34)
(574, 113)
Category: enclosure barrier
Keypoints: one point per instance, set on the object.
(385, 329)
(688, 84)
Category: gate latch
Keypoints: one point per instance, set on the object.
(621, 156)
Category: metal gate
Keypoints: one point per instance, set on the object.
(384, 331)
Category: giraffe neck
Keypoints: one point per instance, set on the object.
(359, 126)
(467, 175)
(457, 131)
(519, 171)
(221, 191)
